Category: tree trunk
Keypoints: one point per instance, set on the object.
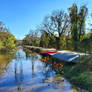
(58, 42)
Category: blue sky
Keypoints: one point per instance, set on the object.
(22, 15)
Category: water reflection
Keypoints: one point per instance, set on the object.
(5, 59)
(18, 72)
(56, 66)
(33, 58)
(29, 72)
(19, 76)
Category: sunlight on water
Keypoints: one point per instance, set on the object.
(27, 73)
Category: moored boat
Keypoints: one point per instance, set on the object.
(48, 52)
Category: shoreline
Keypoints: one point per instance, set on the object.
(79, 74)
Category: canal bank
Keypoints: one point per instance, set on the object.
(79, 74)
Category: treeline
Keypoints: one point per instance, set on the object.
(7, 40)
(31, 39)
(63, 30)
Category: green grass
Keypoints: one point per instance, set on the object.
(80, 74)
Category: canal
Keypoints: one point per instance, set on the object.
(28, 72)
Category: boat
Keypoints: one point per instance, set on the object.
(48, 52)
(66, 56)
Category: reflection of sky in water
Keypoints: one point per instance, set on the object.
(30, 75)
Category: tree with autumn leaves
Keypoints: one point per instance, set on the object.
(7, 40)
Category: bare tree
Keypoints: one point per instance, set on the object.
(57, 24)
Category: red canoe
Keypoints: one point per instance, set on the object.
(48, 52)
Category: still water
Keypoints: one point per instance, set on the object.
(25, 72)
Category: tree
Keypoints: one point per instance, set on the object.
(26, 40)
(86, 44)
(56, 24)
(7, 40)
(77, 20)
(3, 28)
(91, 27)
(73, 12)
(31, 39)
(1, 45)
(44, 42)
(69, 43)
(82, 18)
(35, 41)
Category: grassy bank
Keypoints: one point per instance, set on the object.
(81, 73)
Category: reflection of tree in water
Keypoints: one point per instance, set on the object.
(56, 65)
(33, 59)
(33, 56)
(27, 52)
(5, 60)
(19, 71)
(47, 69)
(51, 65)
(47, 72)
(32, 67)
